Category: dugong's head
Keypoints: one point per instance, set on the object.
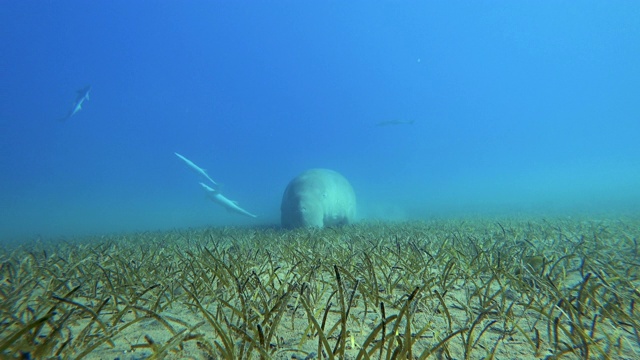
(317, 198)
(303, 211)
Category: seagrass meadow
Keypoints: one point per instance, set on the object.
(444, 289)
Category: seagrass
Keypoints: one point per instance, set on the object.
(444, 288)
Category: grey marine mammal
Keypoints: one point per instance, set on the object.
(318, 198)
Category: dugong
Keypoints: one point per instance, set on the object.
(318, 198)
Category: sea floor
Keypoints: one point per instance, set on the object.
(503, 288)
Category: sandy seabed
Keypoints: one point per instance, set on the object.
(502, 288)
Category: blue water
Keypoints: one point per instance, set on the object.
(518, 107)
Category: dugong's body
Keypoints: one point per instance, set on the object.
(318, 198)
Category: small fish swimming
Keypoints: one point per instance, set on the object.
(202, 172)
(230, 205)
(82, 96)
(395, 122)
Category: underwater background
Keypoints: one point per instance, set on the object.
(429, 108)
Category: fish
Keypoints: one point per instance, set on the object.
(81, 97)
(202, 172)
(395, 122)
(230, 205)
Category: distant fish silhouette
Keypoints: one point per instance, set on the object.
(196, 168)
(395, 122)
(83, 94)
(230, 205)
